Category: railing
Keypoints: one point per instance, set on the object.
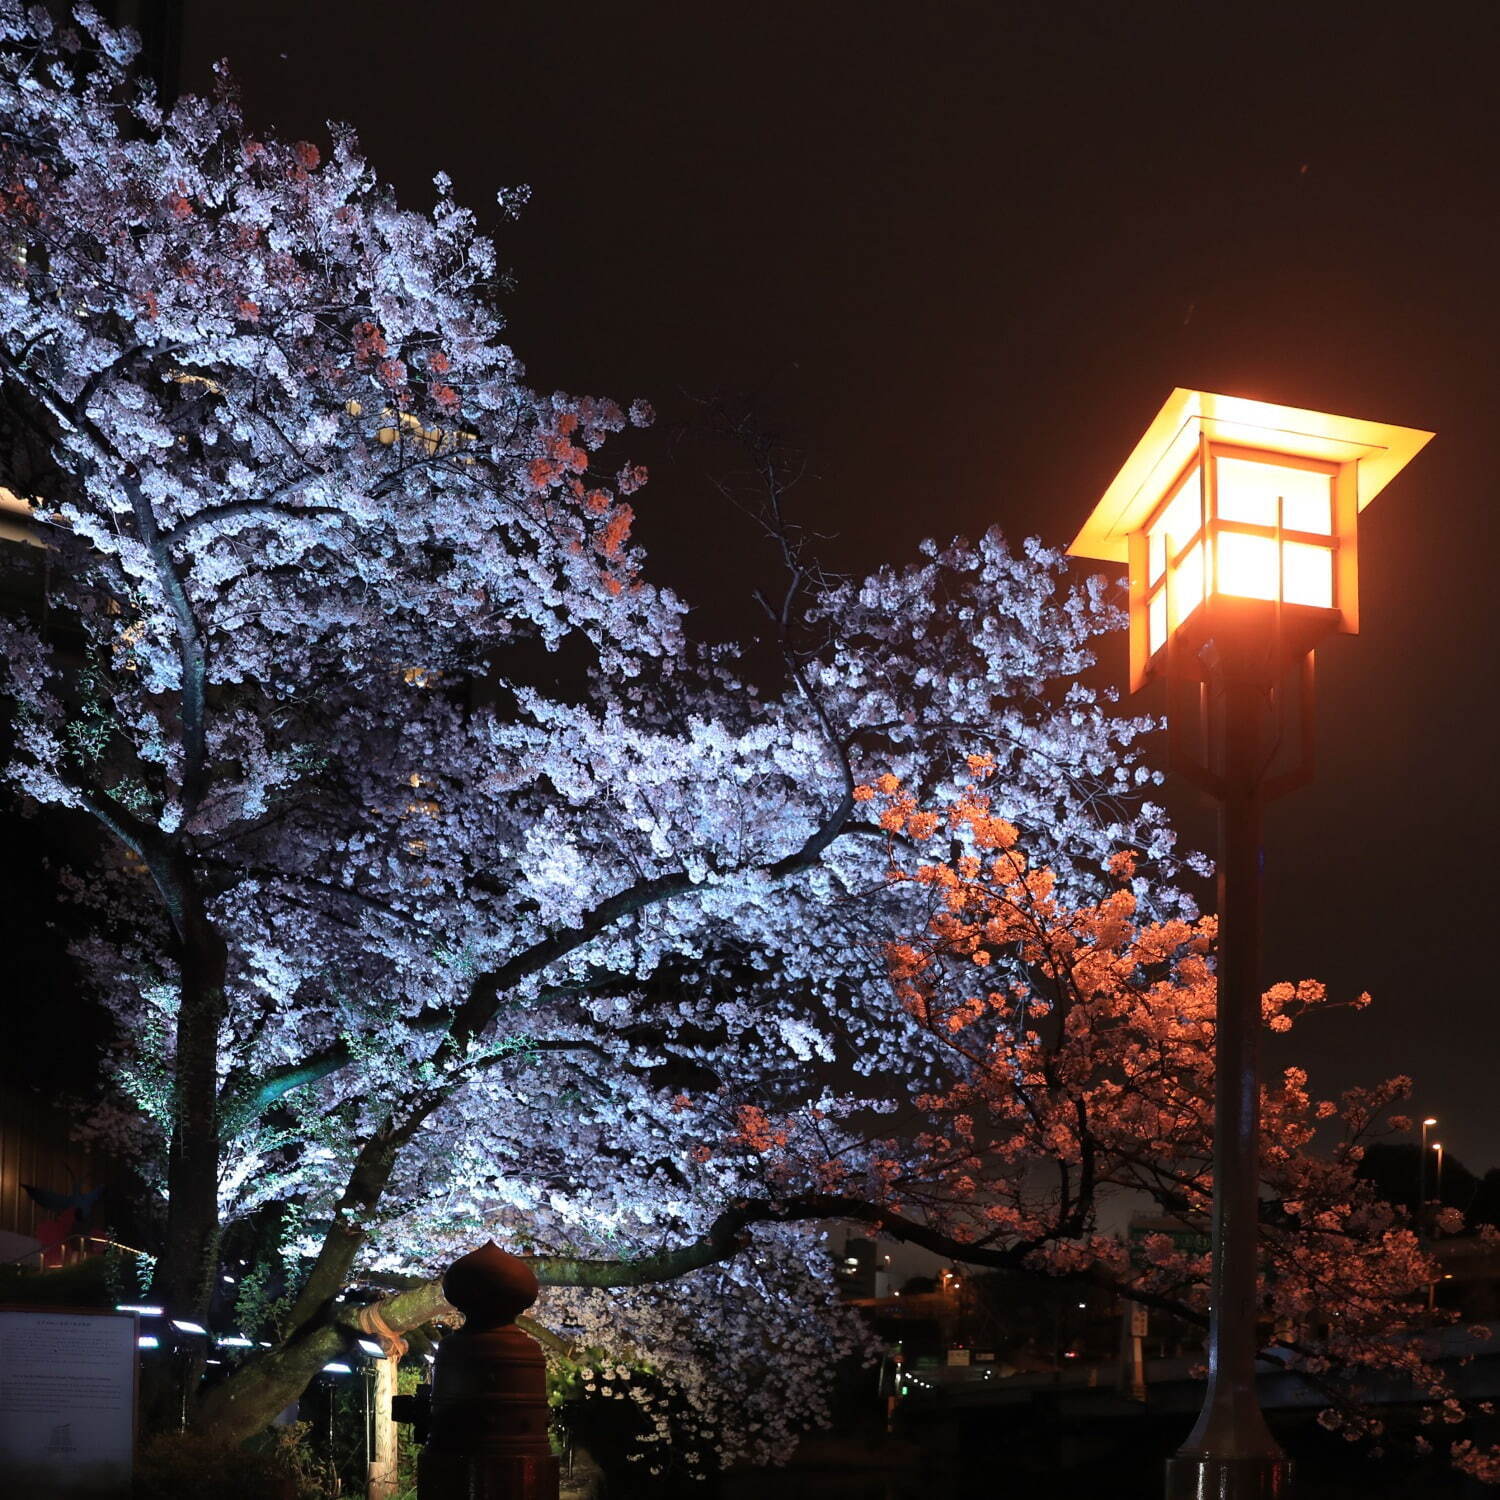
(1469, 1355)
(69, 1252)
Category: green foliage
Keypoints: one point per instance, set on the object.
(622, 1415)
(307, 761)
(145, 1074)
(342, 1446)
(577, 1375)
(133, 795)
(188, 1466)
(118, 1277)
(332, 1446)
(126, 1274)
(460, 960)
(253, 1302)
(408, 1378)
(257, 1308)
(88, 738)
(88, 735)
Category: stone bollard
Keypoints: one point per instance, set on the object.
(487, 1438)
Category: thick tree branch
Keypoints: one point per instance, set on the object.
(729, 1235)
(483, 1004)
(192, 654)
(251, 509)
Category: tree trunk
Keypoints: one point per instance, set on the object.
(185, 1274)
(266, 1384)
(246, 1403)
(184, 1279)
(330, 1271)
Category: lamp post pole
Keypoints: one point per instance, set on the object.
(1238, 520)
(1230, 1453)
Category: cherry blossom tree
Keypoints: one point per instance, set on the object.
(234, 376)
(412, 938)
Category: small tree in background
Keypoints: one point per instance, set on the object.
(1074, 1047)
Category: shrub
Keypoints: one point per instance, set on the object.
(186, 1466)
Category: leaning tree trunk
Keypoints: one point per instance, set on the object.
(250, 1399)
(266, 1384)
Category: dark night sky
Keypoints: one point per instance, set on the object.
(972, 247)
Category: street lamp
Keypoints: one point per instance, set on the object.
(1427, 1125)
(1239, 522)
(1437, 1176)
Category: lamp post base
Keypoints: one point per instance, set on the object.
(1201, 1477)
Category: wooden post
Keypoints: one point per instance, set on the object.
(380, 1482)
(381, 1473)
(488, 1434)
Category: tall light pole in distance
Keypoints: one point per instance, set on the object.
(1427, 1125)
(1238, 520)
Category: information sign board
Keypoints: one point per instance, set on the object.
(67, 1403)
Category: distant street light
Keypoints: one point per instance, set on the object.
(1437, 1176)
(1239, 521)
(1427, 1125)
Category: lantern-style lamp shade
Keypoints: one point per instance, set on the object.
(1230, 499)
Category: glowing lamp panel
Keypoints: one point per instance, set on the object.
(1264, 530)
(1274, 531)
(1174, 559)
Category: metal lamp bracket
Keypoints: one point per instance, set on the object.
(1195, 680)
